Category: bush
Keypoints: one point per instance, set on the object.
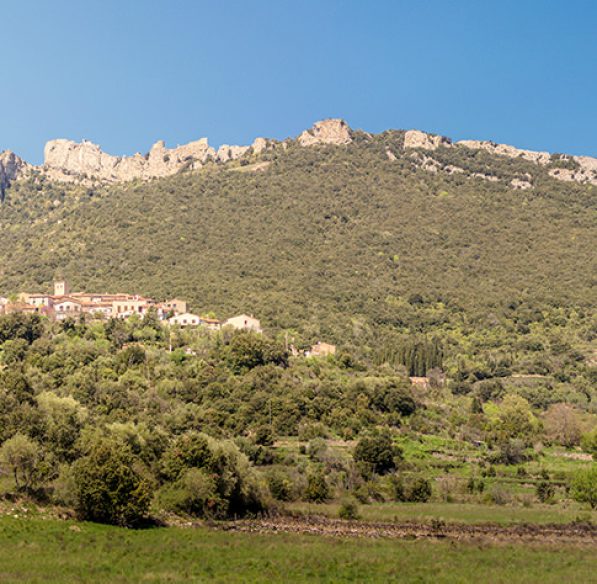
(378, 451)
(349, 509)
(21, 456)
(397, 490)
(280, 486)
(194, 493)
(510, 452)
(588, 442)
(584, 486)
(498, 495)
(264, 435)
(109, 487)
(248, 350)
(65, 489)
(545, 491)
(309, 430)
(419, 491)
(236, 485)
(317, 487)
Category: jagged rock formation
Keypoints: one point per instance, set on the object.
(418, 139)
(584, 171)
(226, 153)
(542, 158)
(69, 161)
(11, 168)
(259, 145)
(332, 131)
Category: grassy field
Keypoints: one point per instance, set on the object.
(457, 512)
(35, 550)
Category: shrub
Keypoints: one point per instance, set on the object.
(491, 389)
(236, 484)
(419, 491)
(379, 451)
(317, 487)
(248, 350)
(397, 490)
(545, 491)
(21, 456)
(109, 487)
(264, 435)
(309, 430)
(280, 486)
(349, 509)
(498, 495)
(194, 493)
(584, 486)
(588, 442)
(65, 490)
(510, 452)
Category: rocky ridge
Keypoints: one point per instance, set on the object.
(11, 167)
(87, 163)
(584, 168)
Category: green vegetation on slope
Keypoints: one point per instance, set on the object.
(103, 418)
(329, 241)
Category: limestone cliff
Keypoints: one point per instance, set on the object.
(584, 171)
(71, 161)
(332, 131)
(11, 168)
(418, 139)
(86, 162)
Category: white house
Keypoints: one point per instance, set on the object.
(244, 322)
(67, 307)
(186, 319)
(40, 300)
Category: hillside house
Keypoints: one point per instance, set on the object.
(24, 307)
(184, 320)
(175, 305)
(66, 307)
(39, 299)
(244, 322)
(130, 306)
(103, 309)
(211, 324)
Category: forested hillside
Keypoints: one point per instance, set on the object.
(340, 242)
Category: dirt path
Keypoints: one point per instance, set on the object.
(545, 534)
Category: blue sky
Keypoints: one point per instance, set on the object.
(126, 73)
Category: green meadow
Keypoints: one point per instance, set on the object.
(37, 550)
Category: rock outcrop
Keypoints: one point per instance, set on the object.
(259, 145)
(86, 163)
(585, 171)
(11, 168)
(332, 131)
(542, 158)
(71, 161)
(418, 139)
(226, 152)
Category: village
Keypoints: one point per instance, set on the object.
(64, 304)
